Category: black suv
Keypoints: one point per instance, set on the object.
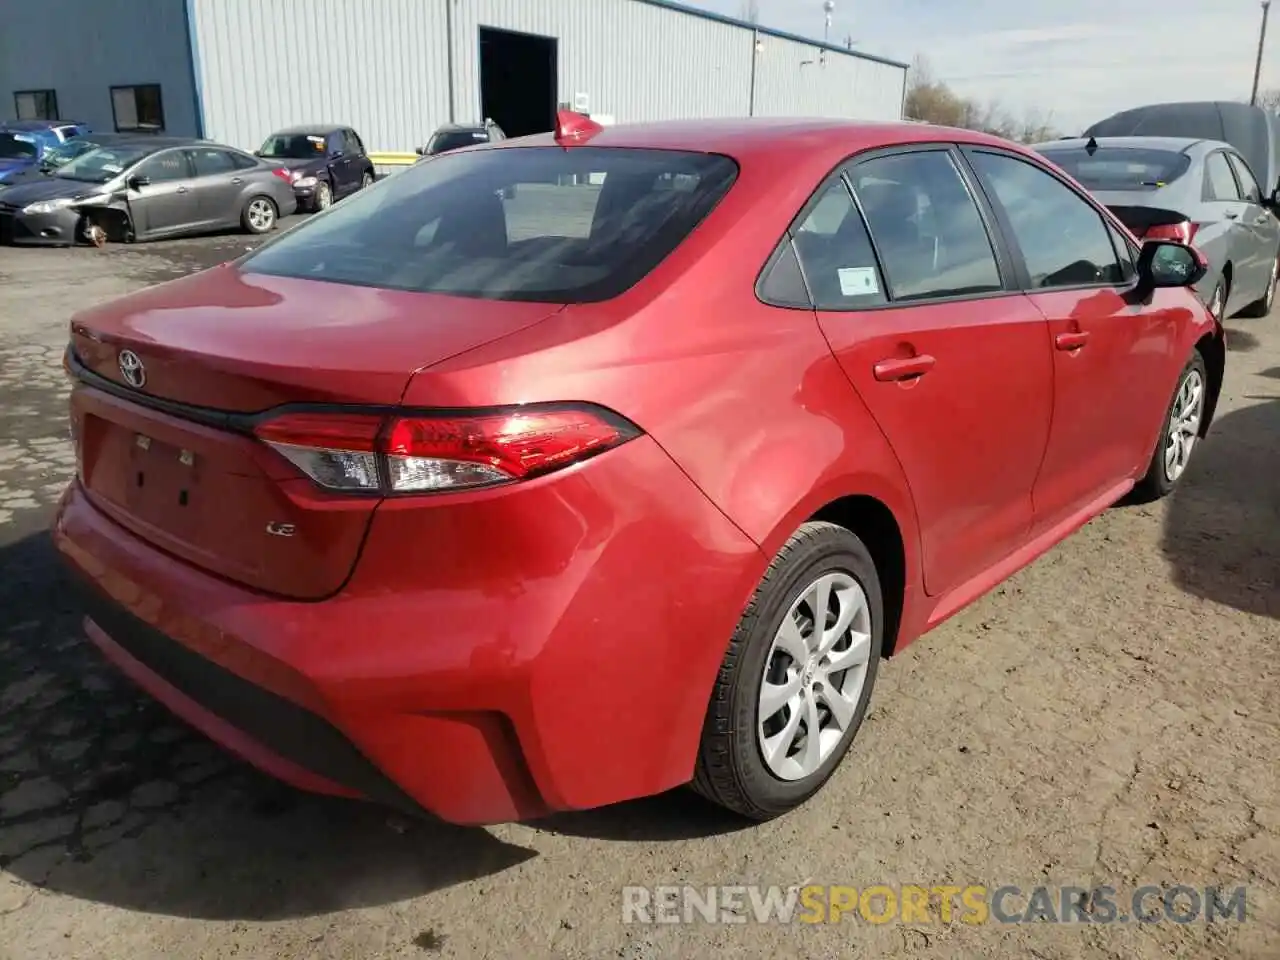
(326, 162)
(452, 136)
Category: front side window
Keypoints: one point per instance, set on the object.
(1124, 251)
(17, 146)
(1220, 182)
(835, 254)
(1247, 183)
(36, 104)
(1063, 239)
(165, 167)
(353, 146)
(536, 224)
(925, 226)
(138, 108)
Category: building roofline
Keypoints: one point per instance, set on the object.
(678, 7)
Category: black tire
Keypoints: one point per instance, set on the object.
(1156, 482)
(731, 769)
(260, 215)
(1217, 302)
(323, 199)
(1262, 307)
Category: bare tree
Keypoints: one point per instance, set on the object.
(933, 101)
(751, 11)
(1269, 99)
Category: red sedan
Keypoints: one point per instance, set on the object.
(571, 469)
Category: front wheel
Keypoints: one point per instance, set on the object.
(1180, 433)
(259, 215)
(795, 683)
(366, 180)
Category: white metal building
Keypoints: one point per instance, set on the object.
(234, 70)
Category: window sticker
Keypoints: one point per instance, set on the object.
(111, 168)
(858, 281)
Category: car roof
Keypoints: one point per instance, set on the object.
(1172, 144)
(316, 129)
(804, 145)
(34, 125)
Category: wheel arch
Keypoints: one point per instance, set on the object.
(1213, 348)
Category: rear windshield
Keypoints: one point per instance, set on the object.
(1121, 168)
(527, 223)
(293, 146)
(454, 139)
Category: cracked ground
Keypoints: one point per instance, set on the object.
(1108, 716)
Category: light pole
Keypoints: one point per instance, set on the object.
(1262, 39)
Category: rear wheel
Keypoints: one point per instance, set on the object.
(1262, 307)
(366, 180)
(1180, 433)
(259, 215)
(796, 680)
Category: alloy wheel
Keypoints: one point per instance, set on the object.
(1184, 425)
(813, 677)
(1271, 289)
(261, 215)
(1217, 303)
(324, 196)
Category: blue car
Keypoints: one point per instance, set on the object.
(23, 142)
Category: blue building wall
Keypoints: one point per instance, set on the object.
(82, 48)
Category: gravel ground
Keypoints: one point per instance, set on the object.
(1108, 716)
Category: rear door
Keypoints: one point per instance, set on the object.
(218, 185)
(952, 362)
(1261, 226)
(166, 203)
(1110, 352)
(1225, 201)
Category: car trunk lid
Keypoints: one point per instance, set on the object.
(165, 447)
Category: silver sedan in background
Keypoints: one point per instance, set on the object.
(1200, 192)
(147, 190)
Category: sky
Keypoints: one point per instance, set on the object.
(1076, 62)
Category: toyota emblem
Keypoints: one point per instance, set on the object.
(131, 368)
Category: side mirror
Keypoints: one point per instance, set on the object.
(421, 151)
(1166, 263)
(137, 181)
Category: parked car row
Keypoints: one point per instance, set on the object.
(1201, 173)
(65, 184)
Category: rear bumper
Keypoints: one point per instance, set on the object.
(553, 648)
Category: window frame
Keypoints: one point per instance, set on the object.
(1012, 282)
(1107, 219)
(187, 160)
(1234, 158)
(52, 95)
(135, 87)
(1206, 192)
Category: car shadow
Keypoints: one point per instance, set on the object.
(1220, 533)
(106, 797)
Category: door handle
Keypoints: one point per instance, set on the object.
(1264, 218)
(237, 179)
(1071, 341)
(1231, 214)
(903, 368)
(182, 190)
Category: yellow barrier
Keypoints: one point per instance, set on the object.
(394, 159)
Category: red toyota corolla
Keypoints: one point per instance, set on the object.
(571, 469)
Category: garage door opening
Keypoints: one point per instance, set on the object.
(518, 81)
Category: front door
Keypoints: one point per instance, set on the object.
(167, 202)
(1108, 349)
(340, 163)
(950, 360)
(1261, 227)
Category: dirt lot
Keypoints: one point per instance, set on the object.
(1109, 716)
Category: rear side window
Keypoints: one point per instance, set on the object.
(926, 226)
(1219, 181)
(1247, 183)
(210, 162)
(835, 254)
(534, 223)
(1121, 168)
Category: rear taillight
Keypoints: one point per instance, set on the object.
(284, 174)
(1184, 231)
(429, 452)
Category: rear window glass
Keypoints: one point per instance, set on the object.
(529, 223)
(1121, 168)
(16, 147)
(454, 139)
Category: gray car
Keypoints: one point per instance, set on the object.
(147, 190)
(1200, 192)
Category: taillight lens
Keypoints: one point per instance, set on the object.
(1182, 232)
(429, 452)
(284, 174)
